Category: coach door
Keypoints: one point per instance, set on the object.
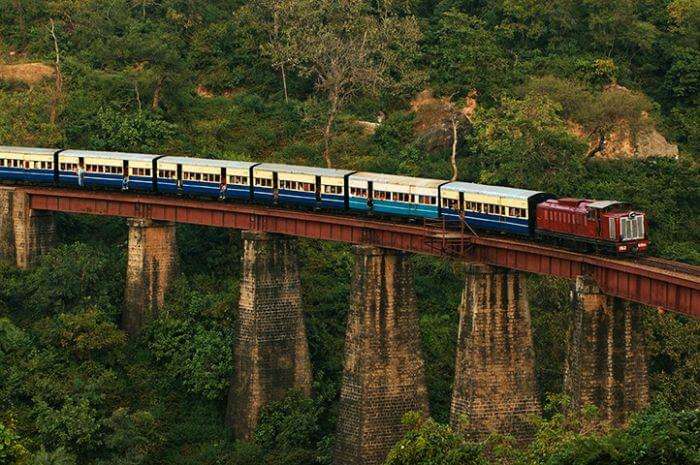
(318, 188)
(222, 184)
(275, 186)
(125, 174)
(370, 194)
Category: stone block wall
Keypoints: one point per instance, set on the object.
(606, 363)
(495, 387)
(271, 354)
(152, 263)
(25, 234)
(384, 370)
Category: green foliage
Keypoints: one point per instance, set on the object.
(70, 278)
(55, 457)
(193, 340)
(525, 143)
(674, 358)
(11, 451)
(656, 436)
(430, 443)
(141, 131)
(465, 55)
(288, 431)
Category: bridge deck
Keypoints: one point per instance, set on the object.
(650, 281)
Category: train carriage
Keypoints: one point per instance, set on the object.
(27, 164)
(503, 209)
(200, 176)
(107, 169)
(300, 185)
(394, 195)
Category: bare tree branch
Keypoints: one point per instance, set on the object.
(58, 94)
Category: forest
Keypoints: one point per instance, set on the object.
(589, 98)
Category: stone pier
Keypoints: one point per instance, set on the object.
(25, 234)
(495, 387)
(152, 263)
(384, 374)
(606, 362)
(271, 354)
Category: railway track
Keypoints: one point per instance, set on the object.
(668, 265)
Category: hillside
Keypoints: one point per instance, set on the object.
(593, 99)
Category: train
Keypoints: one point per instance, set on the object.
(585, 225)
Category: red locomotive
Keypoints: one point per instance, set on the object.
(597, 225)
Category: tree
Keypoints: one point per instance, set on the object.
(439, 116)
(598, 113)
(349, 48)
(11, 451)
(288, 432)
(428, 442)
(464, 57)
(525, 143)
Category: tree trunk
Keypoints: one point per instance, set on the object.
(58, 92)
(328, 131)
(156, 94)
(138, 94)
(598, 148)
(453, 159)
(284, 84)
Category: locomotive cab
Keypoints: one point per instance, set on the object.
(623, 225)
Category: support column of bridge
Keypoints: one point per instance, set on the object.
(384, 373)
(606, 363)
(271, 354)
(25, 234)
(152, 263)
(495, 385)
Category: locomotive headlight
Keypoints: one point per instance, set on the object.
(622, 248)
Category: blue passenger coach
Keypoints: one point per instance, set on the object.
(107, 169)
(225, 179)
(27, 164)
(300, 185)
(394, 195)
(504, 209)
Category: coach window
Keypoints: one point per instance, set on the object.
(358, 192)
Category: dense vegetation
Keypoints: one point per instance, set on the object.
(287, 80)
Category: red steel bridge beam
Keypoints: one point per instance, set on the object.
(674, 287)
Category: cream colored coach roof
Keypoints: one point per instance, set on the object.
(208, 162)
(26, 150)
(486, 190)
(299, 169)
(382, 178)
(93, 154)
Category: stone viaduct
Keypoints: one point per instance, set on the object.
(494, 384)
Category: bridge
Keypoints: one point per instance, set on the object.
(494, 380)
